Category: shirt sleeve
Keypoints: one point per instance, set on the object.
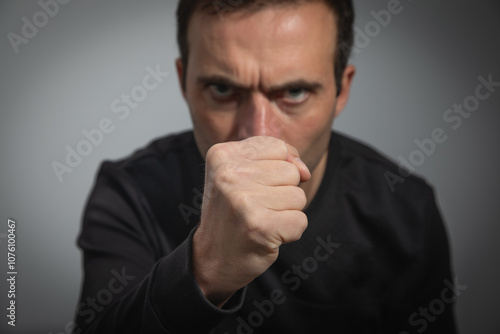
(127, 287)
(428, 305)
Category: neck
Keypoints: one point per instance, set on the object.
(311, 187)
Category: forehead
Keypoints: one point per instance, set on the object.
(276, 37)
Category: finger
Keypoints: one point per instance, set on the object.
(253, 149)
(283, 198)
(263, 148)
(270, 148)
(289, 225)
(274, 172)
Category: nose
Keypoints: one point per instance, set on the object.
(257, 117)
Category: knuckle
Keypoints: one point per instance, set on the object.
(217, 153)
(302, 220)
(274, 143)
(243, 203)
(293, 150)
(300, 224)
(254, 228)
(301, 197)
(223, 175)
(293, 173)
(283, 147)
(248, 149)
(297, 224)
(296, 198)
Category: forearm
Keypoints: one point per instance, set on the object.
(167, 300)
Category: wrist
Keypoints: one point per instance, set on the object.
(209, 281)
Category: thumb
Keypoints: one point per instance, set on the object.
(294, 158)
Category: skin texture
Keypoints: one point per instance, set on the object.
(261, 91)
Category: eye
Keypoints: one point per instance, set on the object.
(221, 91)
(295, 95)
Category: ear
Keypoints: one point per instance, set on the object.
(343, 97)
(180, 75)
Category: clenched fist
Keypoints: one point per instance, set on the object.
(251, 206)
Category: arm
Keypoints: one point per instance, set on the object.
(128, 285)
(250, 207)
(429, 305)
(252, 204)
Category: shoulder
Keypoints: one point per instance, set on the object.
(166, 169)
(162, 154)
(363, 167)
(377, 194)
(149, 187)
(160, 149)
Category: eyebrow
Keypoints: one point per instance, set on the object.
(219, 80)
(299, 83)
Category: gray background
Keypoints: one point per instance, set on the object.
(65, 78)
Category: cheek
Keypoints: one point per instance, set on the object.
(210, 127)
(310, 134)
(312, 126)
(217, 125)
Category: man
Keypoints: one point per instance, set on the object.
(262, 220)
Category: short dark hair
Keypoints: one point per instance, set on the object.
(342, 9)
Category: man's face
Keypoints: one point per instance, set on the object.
(266, 73)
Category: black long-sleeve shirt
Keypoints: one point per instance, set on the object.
(374, 258)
